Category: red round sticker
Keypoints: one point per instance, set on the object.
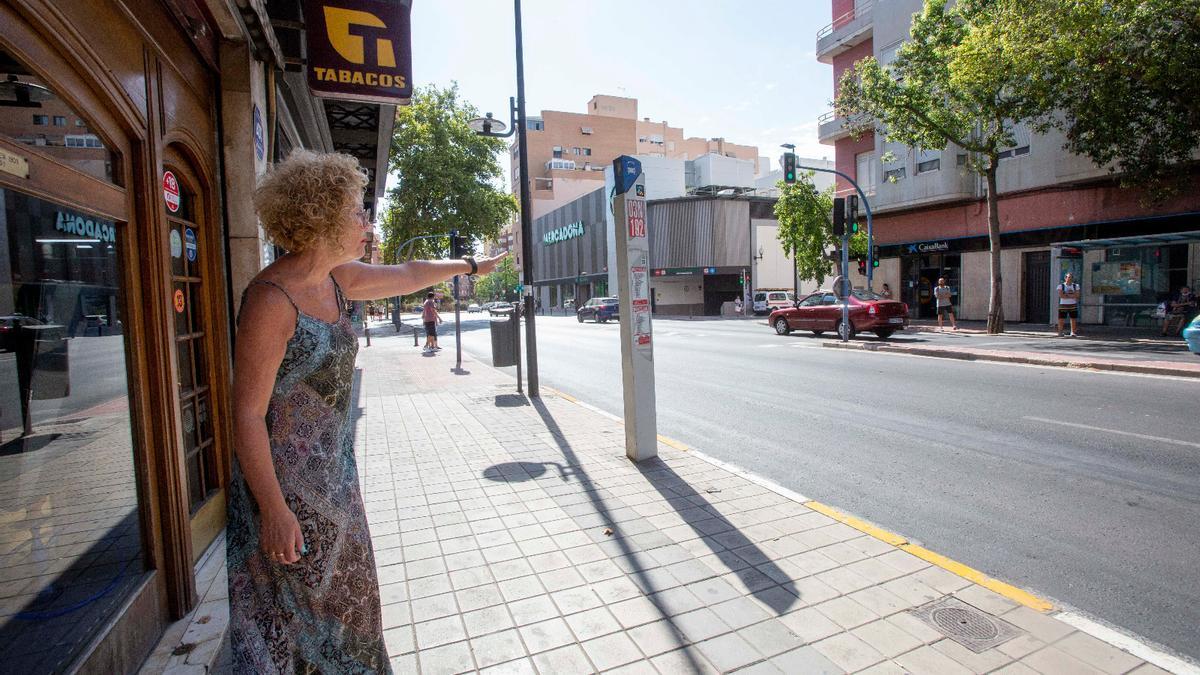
(171, 191)
(179, 302)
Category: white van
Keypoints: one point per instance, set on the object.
(766, 302)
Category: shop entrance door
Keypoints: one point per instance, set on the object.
(191, 243)
(1037, 287)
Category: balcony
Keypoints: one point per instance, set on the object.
(831, 128)
(846, 31)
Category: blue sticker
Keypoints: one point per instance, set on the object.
(189, 237)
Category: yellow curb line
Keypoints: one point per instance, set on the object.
(954, 567)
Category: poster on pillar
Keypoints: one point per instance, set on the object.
(359, 50)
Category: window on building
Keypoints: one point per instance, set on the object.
(41, 120)
(866, 171)
(928, 160)
(543, 184)
(576, 151)
(893, 175)
(82, 141)
(535, 124)
(656, 139)
(1020, 144)
(586, 131)
(60, 121)
(587, 152)
(558, 152)
(560, 164)
(80, 123)
(888, 54)
(961, 159)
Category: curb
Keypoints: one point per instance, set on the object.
(965, 355)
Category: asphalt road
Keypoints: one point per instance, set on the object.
(1081, 486)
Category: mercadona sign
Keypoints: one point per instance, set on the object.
(563, 233)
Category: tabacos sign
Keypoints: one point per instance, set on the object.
(359, 50)
(563, 233)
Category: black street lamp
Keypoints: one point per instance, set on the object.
(489, 126)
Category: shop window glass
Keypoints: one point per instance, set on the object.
(69, 528)
(26, 102)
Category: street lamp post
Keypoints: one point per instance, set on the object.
(487, 126)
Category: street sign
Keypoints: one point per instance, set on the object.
(633, 290)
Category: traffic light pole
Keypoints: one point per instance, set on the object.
(526, 215)
(862, 197)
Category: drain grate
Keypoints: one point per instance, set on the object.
(966, 624)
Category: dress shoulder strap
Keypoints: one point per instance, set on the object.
(341, 297)
(275, 286)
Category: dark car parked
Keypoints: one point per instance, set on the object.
(821, 311)
(599, 310)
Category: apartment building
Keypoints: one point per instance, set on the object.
(1058, 211)
(569, 151)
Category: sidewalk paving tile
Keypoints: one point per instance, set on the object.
(513, 536)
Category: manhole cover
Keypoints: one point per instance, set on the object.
(967, 625)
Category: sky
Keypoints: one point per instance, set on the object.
(742, 70)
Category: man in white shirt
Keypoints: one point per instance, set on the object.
(945, 303)
(1068, 303)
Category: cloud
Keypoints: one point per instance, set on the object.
(770, 85)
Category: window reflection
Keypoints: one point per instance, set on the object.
(70, 543)
(32, 114)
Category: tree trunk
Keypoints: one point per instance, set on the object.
(995, 322)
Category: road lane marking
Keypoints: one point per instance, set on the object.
(1089, 427)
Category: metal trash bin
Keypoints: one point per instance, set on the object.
(505, 340)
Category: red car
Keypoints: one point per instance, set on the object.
(821, 311)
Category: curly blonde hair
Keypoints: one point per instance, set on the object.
(304, 199)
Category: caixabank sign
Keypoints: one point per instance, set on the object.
(359, 50)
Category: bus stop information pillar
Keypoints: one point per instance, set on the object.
(633, 290)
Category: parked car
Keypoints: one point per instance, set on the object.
(599, 310)
(474, 307)
(765, 302)
(821, 311)
(1191, 334)
(10, 327)
(500, 308)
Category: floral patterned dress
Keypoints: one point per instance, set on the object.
(321, 614)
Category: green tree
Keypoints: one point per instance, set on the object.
(806, 228)
(1125, 76)
(445, 176)
(500, 284)
(956, 82)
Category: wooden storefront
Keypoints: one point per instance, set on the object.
(108, 494)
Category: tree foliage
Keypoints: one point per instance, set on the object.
(956, 82)
(1124, 76)
(500, 284)
(445, 176)
(806, 227)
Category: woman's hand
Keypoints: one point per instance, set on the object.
(488, 265)
(279, 535)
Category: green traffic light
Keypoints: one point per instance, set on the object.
(875, 262)
(854, 227)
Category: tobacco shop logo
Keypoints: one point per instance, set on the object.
(346, 34)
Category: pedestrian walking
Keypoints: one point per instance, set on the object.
(538, 309)
(945, 303)
(431, 318)
(303, 594)
(737, 305)
(1068, 303)
(886, 293)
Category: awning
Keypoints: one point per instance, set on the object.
(1136, 240)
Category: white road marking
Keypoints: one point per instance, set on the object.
(1089, 427)
(1129, 644)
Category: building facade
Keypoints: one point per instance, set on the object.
(1058, 211)
(568, 152)
(131, 138)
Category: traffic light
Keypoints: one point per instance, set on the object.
(789, 167)
(458, 245)
(862, 267)
(874, 256)
(839, 217)
(852, 213)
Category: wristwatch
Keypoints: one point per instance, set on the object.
(474, 265)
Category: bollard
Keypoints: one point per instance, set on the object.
(367, 332)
